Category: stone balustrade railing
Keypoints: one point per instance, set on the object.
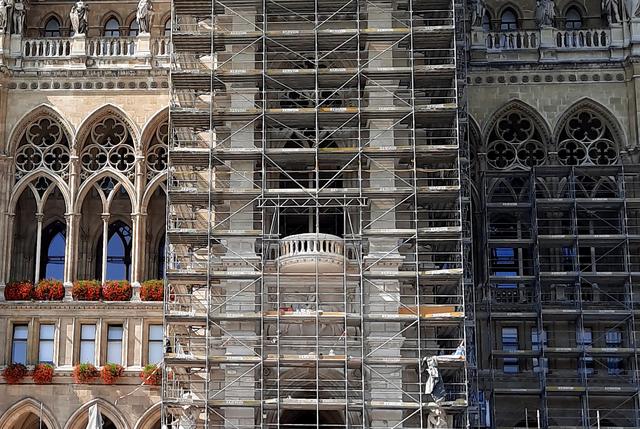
(311, 244)
(47, 47)
(512, 40)
(111, 47)
(588, 38)
(63, 47)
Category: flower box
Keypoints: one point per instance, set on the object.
(151, 375)
(152, 290)
(117, 290)
(14, 373)
(18, 291)
(43, 373)
(86, 290)
(110, 372)
(49, 290)
(85, 373)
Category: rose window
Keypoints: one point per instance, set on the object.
(587, 139)
(43, 145)
(515, 142)
(110, 146)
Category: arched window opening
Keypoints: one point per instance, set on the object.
(112, 28)
(134, 28)
(53, 245)
(586, 138)
(52, 28)
(573, 19)
(118, 252)
(29, 421)
(44, 144)
(167, 27)
(508, 20)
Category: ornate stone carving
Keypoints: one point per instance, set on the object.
(78, 17)
(144, 15)
(545, 13)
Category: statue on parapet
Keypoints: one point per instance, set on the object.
(478, 12)
(545, 13)
(611, 10)
(78, 17)
(144, 15)
(4, 16)
(17, 14)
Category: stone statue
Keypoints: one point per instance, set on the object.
(478, 12)
(437, 419)
(144, 14)
(545, 13)
(78, 17)
(4, 15)
(611, 9)
(18, 17)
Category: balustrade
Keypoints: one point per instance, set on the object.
(512, 40)
(588, 38)
(47, 47)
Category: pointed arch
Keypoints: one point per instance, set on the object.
(526, 109)
(149, 128)
(111, 14)
(158, 182)
(25, 181)
(42, 110)
(26, 406)
(589, 104)
(114, 174)
(147, 420)
(77, 419)
(109, 109)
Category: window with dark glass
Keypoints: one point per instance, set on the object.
(134, 28)
(538, 342)
(155, 343)
(88, 344)
(167, 28)
(52, 28)
(19, 344)
(510, 344)
(114, 344)
(112, 28)
(45, 346)
(573, 19)
(118, 252)
(508, 20)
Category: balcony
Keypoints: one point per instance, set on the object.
(56, 53)
(306, 253)
(549, 44)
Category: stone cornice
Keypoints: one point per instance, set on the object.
(81, 305)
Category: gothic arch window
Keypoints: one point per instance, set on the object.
(515, 141)
(156, 156)
(573, 19)
(161, 251)
(109, 145)
(167, 27)
(508, 20)
(118, 252)
(112, 28)
(53, 245)
(587, 138)
(52, 27)
(44, 145)
(134, 28)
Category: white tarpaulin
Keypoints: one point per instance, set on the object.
(95, 419)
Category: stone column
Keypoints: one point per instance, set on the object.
(70, 252)
(39, 217)
(105, 243)
(138, 240)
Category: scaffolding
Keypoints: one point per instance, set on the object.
(318, 221)
(559, 303)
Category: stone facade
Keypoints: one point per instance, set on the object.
(83, 147)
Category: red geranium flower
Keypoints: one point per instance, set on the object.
(110, 372)
(117, 290)
(86, 290)
(18, 291)
(152, 290)
(84, 372)
(14, 373)
(49, 290)
(43, 373)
